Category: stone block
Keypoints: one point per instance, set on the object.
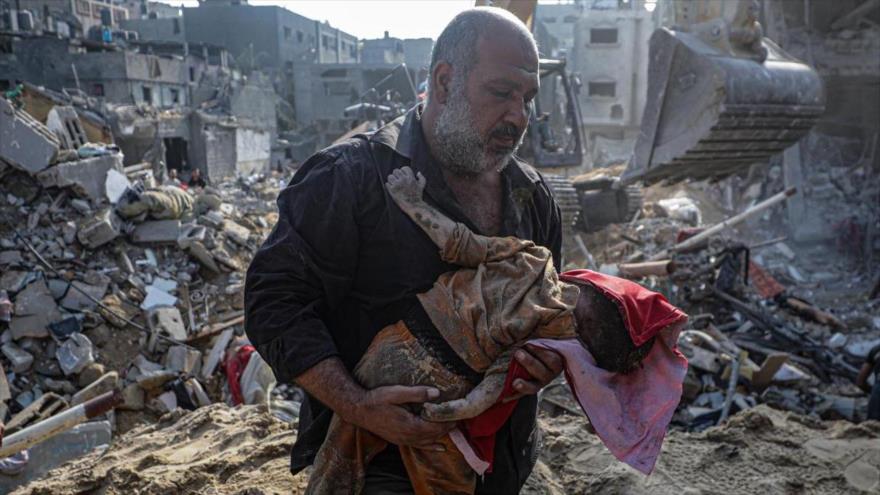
(21, 360)
(157, 231)
(99, 230)
(183, 360)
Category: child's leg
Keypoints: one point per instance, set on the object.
(439, 473)
(340, 465)
(394, 357)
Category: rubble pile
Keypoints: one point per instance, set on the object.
(217, 449)
(781, 314)
(110, 281)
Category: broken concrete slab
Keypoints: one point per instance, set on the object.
(87, 177)
(156, 231)
(168, 321)
(236, 233)
(5, 393)
(75, 354)
(20, 359)
(100, 230)
(182, 359)
(198, 251)
(156, 298)
(25, 143)
(217, 352)
(14, 280)
(35, 310)
(108, 382)
(76, 300)
(154, 379)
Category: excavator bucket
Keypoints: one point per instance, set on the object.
(710, 113)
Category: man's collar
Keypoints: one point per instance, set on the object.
(400, 135)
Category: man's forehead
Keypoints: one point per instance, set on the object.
(515, 60)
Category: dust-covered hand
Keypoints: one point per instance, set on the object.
(405, 187)
(381, 412)
(544, 365)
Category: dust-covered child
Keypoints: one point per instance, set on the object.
(617, 340)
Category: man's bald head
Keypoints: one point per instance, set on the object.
(484, 75)
(458, 43)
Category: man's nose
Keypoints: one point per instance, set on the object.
(518, 115)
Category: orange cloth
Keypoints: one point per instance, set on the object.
(507, 291)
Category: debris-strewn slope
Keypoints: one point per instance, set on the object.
(245, 451)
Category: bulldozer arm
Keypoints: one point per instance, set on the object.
(713, 109)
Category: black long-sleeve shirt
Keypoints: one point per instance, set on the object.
(344, 261)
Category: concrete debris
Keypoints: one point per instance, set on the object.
(35, 310)
(25, 143)
(156, 298)
(19, 359)
(157, 231)
(100, 230)
(181, 359)
(75, 354)
(86, 177)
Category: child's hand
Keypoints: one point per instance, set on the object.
(405, 187)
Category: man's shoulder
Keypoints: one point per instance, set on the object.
(873, 354)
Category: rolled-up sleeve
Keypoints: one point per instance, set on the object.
(305, 267)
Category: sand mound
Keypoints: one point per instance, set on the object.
(218, 450)
(214, 450)
(758, 451)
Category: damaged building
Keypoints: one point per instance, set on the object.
(177, 103)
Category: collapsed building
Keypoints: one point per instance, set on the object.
(181, 98)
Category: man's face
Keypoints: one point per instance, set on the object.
(486, 113)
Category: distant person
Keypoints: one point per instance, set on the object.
(173, 179)
(871, 366)
(196, 180)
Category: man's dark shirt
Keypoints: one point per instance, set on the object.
(344, 261)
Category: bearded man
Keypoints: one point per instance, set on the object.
(344, 261)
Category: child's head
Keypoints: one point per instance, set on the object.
(602, 330)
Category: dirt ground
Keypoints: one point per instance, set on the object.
(244, 451)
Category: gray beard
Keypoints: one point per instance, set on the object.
(460, 149)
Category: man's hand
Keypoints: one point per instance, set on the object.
(542, 364)
(380, 411)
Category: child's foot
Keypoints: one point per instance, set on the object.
(405, 187)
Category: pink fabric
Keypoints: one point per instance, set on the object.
(630, 412)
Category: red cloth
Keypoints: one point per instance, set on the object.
(234, 367)
(645, 313)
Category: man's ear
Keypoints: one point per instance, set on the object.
(441, 80)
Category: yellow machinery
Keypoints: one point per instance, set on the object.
(721, 97)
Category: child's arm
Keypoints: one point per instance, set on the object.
(482, 397)
(406, 190)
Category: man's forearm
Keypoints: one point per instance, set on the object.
(332, 384)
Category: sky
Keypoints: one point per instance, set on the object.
(371, 18)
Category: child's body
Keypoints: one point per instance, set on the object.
(461, 339)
